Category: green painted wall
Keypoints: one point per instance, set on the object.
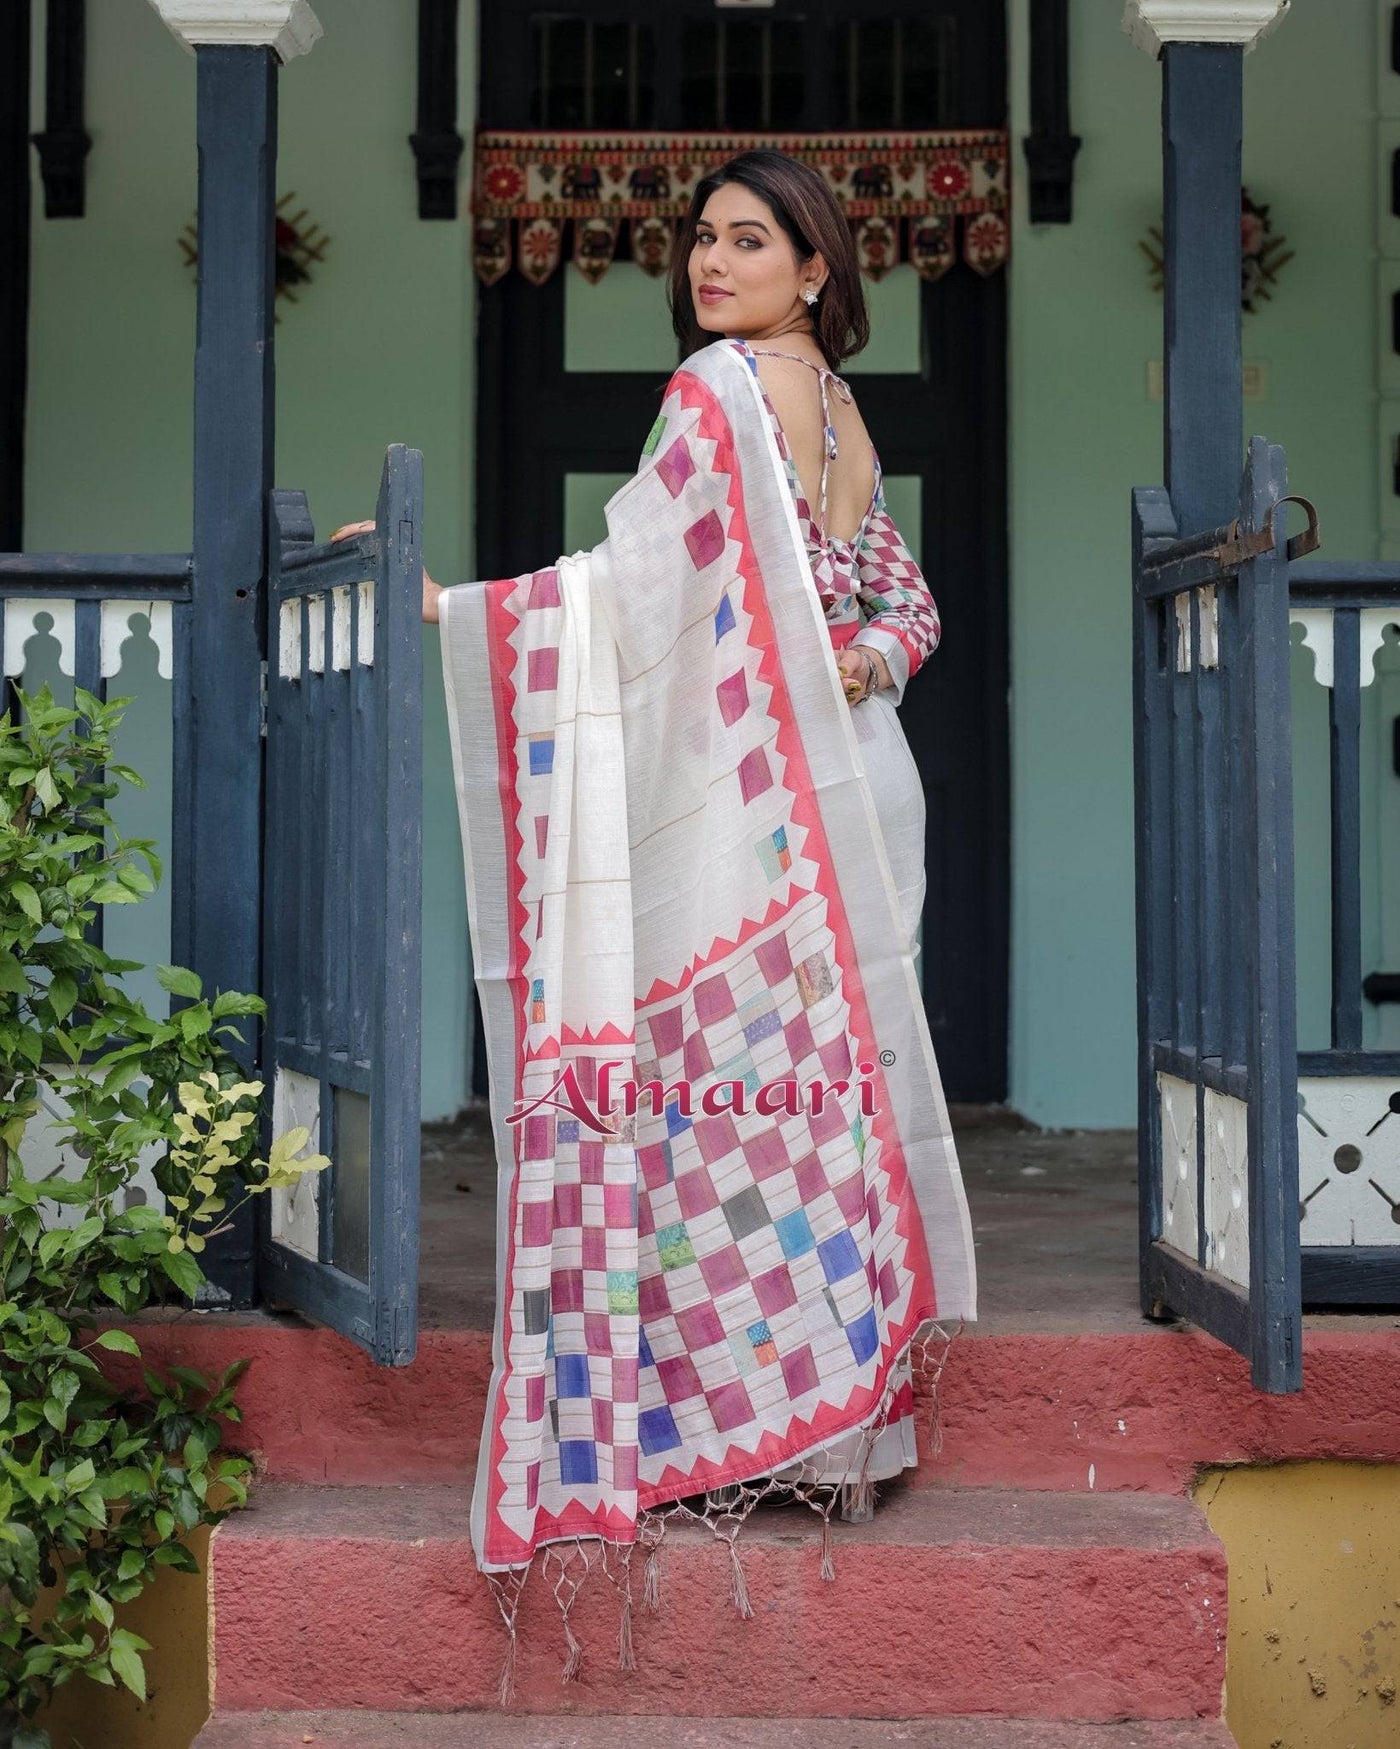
(110, 444)
(1083, 432)
(378, 349)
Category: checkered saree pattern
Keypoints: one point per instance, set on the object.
(673, 869)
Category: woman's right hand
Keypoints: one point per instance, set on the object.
(431, 590)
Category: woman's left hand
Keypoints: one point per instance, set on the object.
(853, 664)
(431, 590)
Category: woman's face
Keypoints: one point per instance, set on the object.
(745, 276)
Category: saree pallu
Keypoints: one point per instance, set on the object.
(676, 880)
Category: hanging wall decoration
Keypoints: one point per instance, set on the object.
(902, 193)
(1262, 254)
(300, 245)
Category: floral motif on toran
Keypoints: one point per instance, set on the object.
(902, 193)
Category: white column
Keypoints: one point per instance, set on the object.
(289, 26)
(1151, 23)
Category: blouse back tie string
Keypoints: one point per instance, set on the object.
(824, 568)
(829, 449)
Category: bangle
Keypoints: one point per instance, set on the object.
(872, 673)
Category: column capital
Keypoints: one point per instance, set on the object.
(1153, 23)
(289, 26)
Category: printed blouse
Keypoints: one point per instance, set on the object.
(871, 588)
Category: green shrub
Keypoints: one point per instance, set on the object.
(100, 1484)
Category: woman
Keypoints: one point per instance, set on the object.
(693, 837)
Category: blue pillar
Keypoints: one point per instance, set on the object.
(216, 896)
(1202, 103)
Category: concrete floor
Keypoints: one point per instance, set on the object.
(1054, 1221)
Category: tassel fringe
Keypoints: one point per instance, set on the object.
(506, 1589)
(651, 1531)
(620, 1557)
(723, 1511)
(738, 1585)
(559, 1567)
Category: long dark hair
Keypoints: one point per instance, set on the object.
(809, 213)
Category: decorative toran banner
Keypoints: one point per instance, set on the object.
(902, 194)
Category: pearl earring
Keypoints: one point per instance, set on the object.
(809, 297)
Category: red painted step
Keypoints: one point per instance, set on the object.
(503, 1731)
(950, 1602)
(1098, 1412)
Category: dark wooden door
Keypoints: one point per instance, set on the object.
(814, 66)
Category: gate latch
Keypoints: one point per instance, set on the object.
(1236, 549)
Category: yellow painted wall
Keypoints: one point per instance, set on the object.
(173, 1614)
(1313, 1659)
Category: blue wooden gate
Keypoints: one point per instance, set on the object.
(1217, 1026)
(342, 911)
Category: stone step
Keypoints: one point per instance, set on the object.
(341, 1730)
(1089, 1412)
(949, 1602)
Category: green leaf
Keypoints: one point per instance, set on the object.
(69, 1190)
(66, 1044)
(112, 893)
(178, 1556)
(81, 1476)
(12, 976)
(231, 1002)
(46, 789)
(133, 1561)
(121, 1077)
(86, 1231)
(121, 1483)
(114, 1288)
(63, 993)
(197, 1449)
(27, 900)
(52, 1242)
(182, 1270)
(124, 1649)
(118, 1341)
(94, 1502)
(180, 981)
(193, 1022)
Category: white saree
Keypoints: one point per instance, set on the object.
(677, 875)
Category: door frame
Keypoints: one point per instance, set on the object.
(958, 722)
